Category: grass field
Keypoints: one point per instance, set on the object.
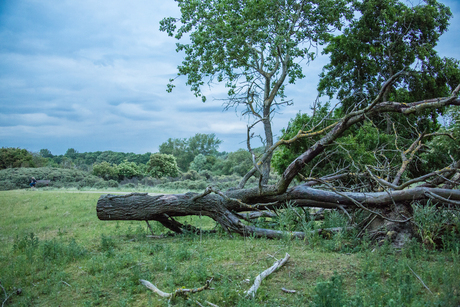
(55, 250)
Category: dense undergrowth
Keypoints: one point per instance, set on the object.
(19, 178)
(55, 250)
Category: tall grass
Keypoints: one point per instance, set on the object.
(53, 247)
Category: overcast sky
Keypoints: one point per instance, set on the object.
(91, 75)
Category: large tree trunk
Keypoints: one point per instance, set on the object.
(224, 208)
(390, 207)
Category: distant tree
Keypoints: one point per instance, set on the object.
(204, 144)
(40, 161)
(111, 157)
(45, 153)
(177, 148)
(128, 170)
(199, 163)
(238, 162)
(185, 150)
(71, 153)
(162, 165)
(15, 157)
(105, 170)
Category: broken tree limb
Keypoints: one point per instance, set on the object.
(287, 290)
(178, 292)
(252, 291)
(224, 207)
(152, 287)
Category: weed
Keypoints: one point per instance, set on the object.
(107, 245)
(329, 293)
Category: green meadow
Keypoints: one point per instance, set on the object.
(55, 252)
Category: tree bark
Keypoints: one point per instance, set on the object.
(224, 207)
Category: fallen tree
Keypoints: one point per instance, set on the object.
(392, 205)
(255, 47)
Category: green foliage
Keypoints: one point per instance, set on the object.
(84, 160)
(229, 38)
(15, 157)
(238, 162)
(198, 163)
(442, 148)
(128, 170)
(162, 165)
(432, 223)
(384, 38)
(19, 178)
(105, 170)
(185, 150)
(45, 153)
(354, 150)
(329, 293)
(204, 144)
(71, 153)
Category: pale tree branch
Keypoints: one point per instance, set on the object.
(252, 291)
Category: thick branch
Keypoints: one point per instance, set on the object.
(252, 291)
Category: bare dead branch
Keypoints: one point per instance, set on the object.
(287, 290)
(178, 292)
(252, 291)
(6, 294)
(442, 199)
(418, 277)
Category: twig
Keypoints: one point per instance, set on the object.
(207, 191)
(287, 290)
(418, 277)
(367, 225)
(66, 283)
(6, 295)
(178, 292)
(152, 287)
(252, 291)
(150, 227)
(442, 199)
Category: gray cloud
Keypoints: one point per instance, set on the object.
(92, 75)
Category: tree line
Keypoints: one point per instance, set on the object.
(176, 156)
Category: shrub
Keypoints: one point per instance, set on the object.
(198, 163)
(15, 157)
(162, 165)
(112, 184)
(101, 185)
(19, 178)
(128, 170)
(329, 293)
(432, 223)
(191, 175)
(105, 170)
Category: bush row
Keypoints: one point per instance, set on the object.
(19, 178)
